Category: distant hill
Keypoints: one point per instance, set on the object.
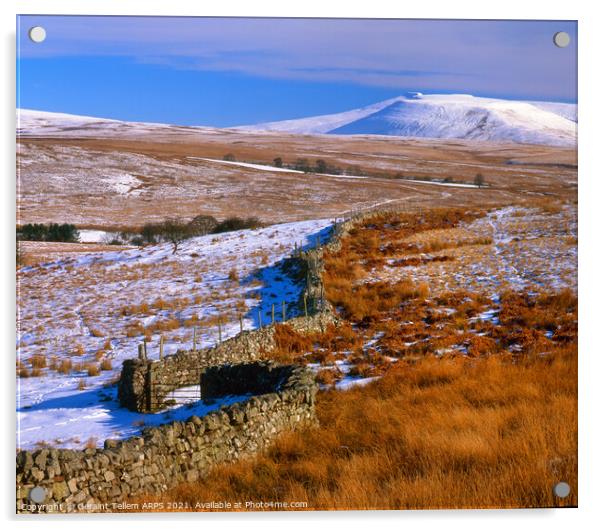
(456, 116)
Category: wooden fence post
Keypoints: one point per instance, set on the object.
(140, 351)
(273, 313)
(305, 303)
(161, 348)
(283, 311)
(240, 320)
(219, 329)
(194, 339)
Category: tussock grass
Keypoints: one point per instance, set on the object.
(440, 433)
(65, 366)
(97, 333)
(38, 361)
(93, 370)
(233, 275)
(106, 364)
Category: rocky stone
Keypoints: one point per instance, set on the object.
(72, 484)
(59, 490)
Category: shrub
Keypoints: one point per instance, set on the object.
(321, 166)
(24, 373)
(150, 232)
(302, 164)
(48, 232)
(81, 385)
(137, 240)
(237, 223)
(93, 370)
(289, 343)
(170, 230)
(229, 157)
(202, 225)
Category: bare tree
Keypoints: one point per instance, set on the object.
(479, 180)
(175, 231)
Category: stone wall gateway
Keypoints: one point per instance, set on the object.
(179, 451)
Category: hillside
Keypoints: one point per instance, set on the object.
(457, 116)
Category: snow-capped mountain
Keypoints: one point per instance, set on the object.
(458, 116)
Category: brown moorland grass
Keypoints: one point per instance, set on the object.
(106, 364)
(491, 423)
(439, 433)
(38, 361)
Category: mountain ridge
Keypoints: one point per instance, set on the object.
(451, 116)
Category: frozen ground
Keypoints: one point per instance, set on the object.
(96, 307)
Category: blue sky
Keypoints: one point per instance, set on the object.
(223, 72)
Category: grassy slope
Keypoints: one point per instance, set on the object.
(484, 429)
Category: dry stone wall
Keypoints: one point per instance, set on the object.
(95, 479)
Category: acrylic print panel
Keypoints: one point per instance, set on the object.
(296, 264)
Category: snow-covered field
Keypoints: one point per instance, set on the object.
(97, 307)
